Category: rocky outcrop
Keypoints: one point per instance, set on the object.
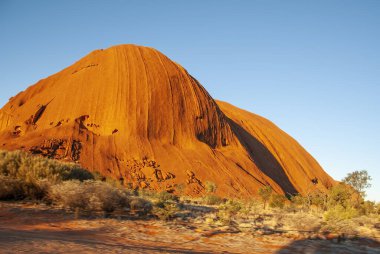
(59, 149)
(131, 113)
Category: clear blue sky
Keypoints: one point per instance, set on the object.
(312, 67)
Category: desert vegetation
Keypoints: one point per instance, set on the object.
(25, 176)
(340, 211)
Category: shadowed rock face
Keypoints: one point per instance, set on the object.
(131, 113)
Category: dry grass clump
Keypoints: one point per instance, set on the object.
(251, 207)
(301, 221)
(18, 189)
(89, 196)
(347, 227)
(140, 205)
(212, 199)
(277, 201)
(10, 188)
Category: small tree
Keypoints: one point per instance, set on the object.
(359, 180)
(265, 193)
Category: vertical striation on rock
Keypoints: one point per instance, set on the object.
(131, 113)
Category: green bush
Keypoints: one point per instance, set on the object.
(338, 213)
(340, 195)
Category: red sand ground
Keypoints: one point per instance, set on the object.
(26, 228)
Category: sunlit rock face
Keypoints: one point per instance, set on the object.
(131, 113)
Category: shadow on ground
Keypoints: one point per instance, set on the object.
(83, 238)
(357, 245)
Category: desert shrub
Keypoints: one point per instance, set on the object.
(300, 201)
(164, 196)
(340, 195)
(17, 189)
(145, 193)
(31, 176)
(366, 220)
(367, 208)
(167, 212)
(250, 207)
(88, 195)
(338, 213)
(232, 207)
(302, 222)
(347, 227)
(141, 205)
(107, 197)
(224, 217)
(21, 165)
(180, 189)
(11, 188)
(265, 194)
(210, 187)
(277, 201)
(354, 225)
(35, 189)
(69, 194)
(377, 208)
(73, 171)
(212, 200)
(318, 199)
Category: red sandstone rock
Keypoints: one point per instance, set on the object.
(122, 110)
